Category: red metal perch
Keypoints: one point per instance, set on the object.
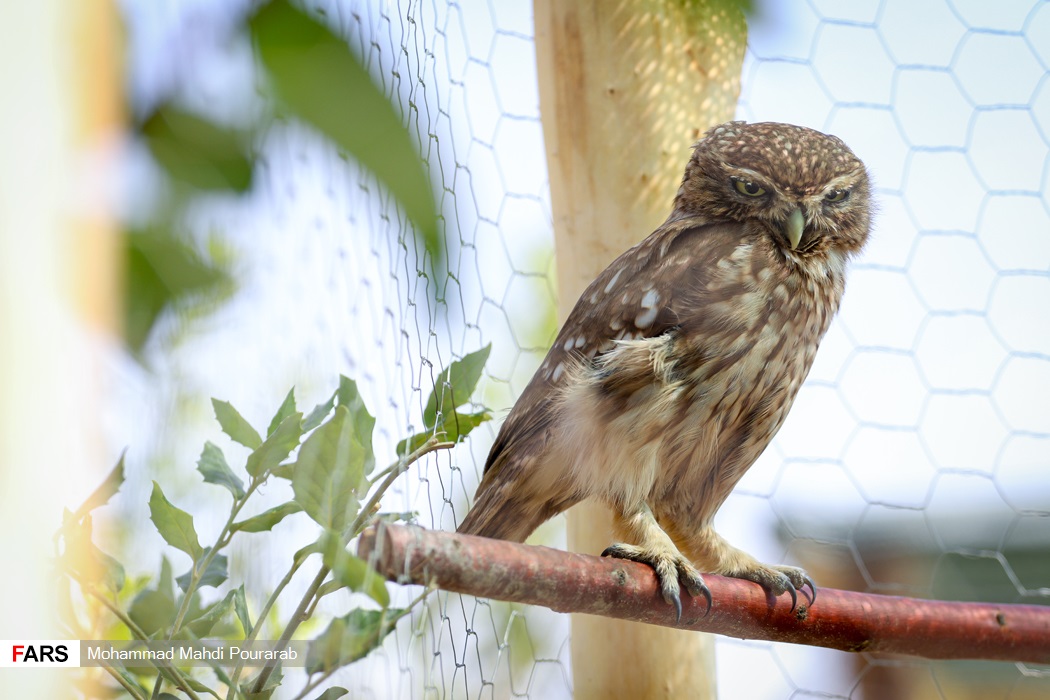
(578, 583)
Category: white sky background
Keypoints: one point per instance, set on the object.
(931, 393)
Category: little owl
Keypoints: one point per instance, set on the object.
(679, 363)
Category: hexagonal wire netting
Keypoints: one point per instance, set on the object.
(914, 460)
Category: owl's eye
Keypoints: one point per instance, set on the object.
(835, 196)
(748, 188)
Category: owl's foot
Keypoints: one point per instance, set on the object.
(779, 579)
(670, 567)
(710, 551)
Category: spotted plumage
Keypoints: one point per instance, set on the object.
(679, 363)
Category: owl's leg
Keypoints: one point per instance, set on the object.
(709, 550)
(657, 550)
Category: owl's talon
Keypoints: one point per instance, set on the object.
(812, 588)
(698, 588)
(669, 568)
(676, 601)
(793, 592)
(779, 579)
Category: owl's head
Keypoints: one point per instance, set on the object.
(806, 189)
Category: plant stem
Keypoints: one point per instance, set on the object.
(133, 690)
(393, 471)
(384, 628)
(254, 632)
(173, 674)
(298, 617)
(198, 570)
(300, 614)
(200, 567)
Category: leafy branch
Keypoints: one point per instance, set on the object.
(327, 457)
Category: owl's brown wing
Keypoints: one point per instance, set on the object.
(648, 291)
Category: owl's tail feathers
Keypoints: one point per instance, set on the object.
(502, 514)
(497, 514)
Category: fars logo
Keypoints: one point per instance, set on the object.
(28, 653)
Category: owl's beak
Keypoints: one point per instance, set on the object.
(794, 226)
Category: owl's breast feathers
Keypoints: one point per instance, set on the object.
(693, 344)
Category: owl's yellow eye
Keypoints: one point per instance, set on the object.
(749, 188)
(835, 196)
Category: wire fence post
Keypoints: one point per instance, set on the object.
(625, 89)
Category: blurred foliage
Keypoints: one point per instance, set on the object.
(309, 75)
(317, 79)
(197, 152)
(163, 271)
(328, 457)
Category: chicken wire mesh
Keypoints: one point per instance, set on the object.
(913, 460)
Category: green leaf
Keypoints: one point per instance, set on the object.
(203, 624)
(302, 553)
(323, 83)
(165, 578)
(240, 606)
(234, 425)
(330, 587)
(277, 446)
(351, 571)
(267, 519)
(332, 693)
(83, 557)
(287, 408)
(198, 152)
(455, 385)
(329, 470)
(162, 270)
(272, 683)
(319, 413)
(463, 424)
(460, 425)
(173, 524)
(284, 471)
(201, 688)
(348, 639)
(452, 429)
(364, 423)
(152, 611)
(213, 467)
(411, 444)
(105, 491)
(261, 695)
(214, 575)
(113, 576)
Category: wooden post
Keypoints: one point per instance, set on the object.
(626, 88)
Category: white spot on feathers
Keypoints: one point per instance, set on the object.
(556, 375)
(645, 318)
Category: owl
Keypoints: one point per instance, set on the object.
(679, 363)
